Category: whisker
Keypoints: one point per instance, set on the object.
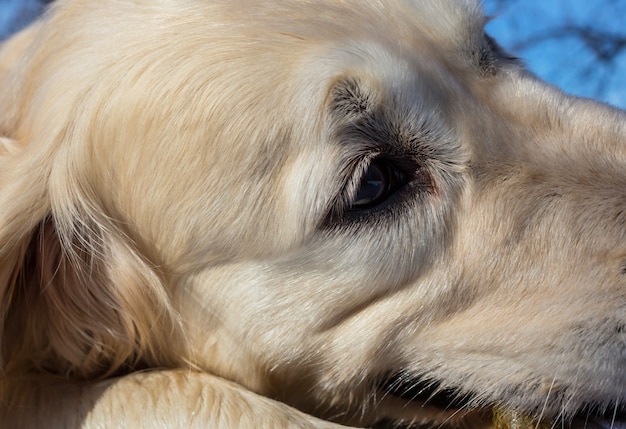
(545, 403)
(614, 414)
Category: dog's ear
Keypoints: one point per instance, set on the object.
(76, 296)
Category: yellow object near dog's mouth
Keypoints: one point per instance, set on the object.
(513, 419)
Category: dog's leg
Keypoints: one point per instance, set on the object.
(171, 399)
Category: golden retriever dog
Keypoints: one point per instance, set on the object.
(281, 214)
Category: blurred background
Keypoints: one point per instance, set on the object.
(579, 45)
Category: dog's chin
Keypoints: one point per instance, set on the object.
(411, 403)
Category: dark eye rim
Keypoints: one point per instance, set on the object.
(416, 180)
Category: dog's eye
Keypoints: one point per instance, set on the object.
(379, 181)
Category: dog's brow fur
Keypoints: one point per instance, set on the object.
(181, 242)
(349, 99)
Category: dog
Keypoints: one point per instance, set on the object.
(228, 213)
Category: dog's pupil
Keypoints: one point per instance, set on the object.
(374, 186)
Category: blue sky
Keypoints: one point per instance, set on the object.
(566, 62)
(14, 13)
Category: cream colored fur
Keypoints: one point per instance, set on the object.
(175, 249)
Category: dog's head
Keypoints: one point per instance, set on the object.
(364, 209)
